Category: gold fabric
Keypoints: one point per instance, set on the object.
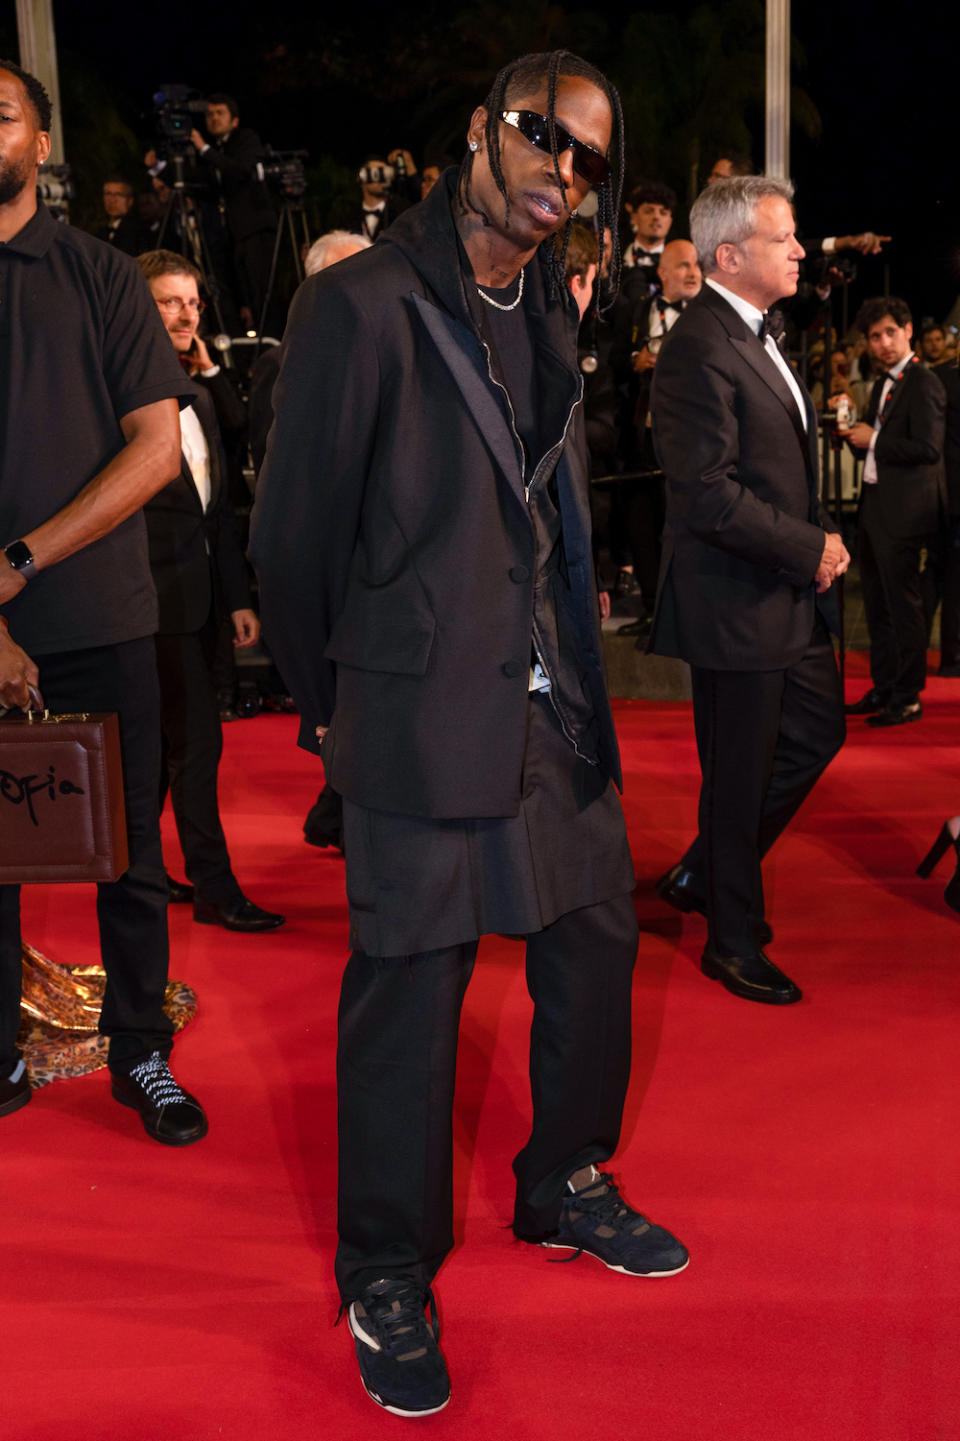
(59, 1011)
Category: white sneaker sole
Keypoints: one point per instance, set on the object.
(359, 1335)
(624, 1270)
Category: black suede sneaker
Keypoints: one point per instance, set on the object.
(169, 1113)
(400, 1362)
(14, 1090)
(597, 1219)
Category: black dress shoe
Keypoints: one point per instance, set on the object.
(868, 704)
(169, 1114)
(180, 892)
(755, 978)
(14, 1093)
(678, 889)
(896, 715)
(241, 915)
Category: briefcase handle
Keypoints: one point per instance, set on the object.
(33, 705)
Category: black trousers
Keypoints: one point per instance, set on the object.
(763, 738)
(192, 746)
(132, 912)
(396, 1064)
(893, 601)
(940, 583)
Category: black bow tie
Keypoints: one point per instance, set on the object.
(676, 305)
(773, 324)
(646, 257)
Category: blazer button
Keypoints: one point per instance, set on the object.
(519, 573)
(513, 668)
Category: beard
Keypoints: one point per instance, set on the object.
(13, 180)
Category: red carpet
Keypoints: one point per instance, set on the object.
(807, 1157)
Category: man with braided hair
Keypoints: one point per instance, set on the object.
(422, 536)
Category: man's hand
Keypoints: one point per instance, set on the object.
(643, 360)
(859, 435)
(407, 160)
(198, 358)
(17, 672)
(246, 628)
(604, 598)
(867, 243)
(833, 562)
(198, 141)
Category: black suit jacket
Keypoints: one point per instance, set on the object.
(745, 531)
(949, 377)
(127, 237)
(911, 488)
(230, 165)
(391, 535)
(192, 551)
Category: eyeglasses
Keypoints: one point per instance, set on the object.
(594, 167)
(173, 305)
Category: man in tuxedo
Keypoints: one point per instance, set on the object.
(902, 502)
(227, 156)
(122, 227)
(641, 331)
(195, 559)
(747, 548)
(422, 536)
(650, 213)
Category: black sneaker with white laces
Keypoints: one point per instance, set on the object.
(597, 1219)
(400, 1362)
(169, 1113)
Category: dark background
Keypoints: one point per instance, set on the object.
(873, 110)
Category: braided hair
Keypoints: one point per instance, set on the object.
(520, 77)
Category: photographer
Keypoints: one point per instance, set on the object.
(387, 188)
(228, 162)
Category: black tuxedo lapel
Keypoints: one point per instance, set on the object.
(465, 358)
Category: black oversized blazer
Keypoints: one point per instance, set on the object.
(391, 537)
(745, 530)
(191, 552)
(911, 480)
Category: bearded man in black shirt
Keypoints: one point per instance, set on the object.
(89, 433)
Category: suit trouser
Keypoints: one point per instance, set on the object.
(396, 1064)
(940, 585)
(893, 601)
(763, 738)
(132, 911)
(192, 746)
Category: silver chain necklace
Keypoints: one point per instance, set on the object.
(496, 303)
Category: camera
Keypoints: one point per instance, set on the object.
(177, 110)
(55, 189)
(376, 174)
(282, 171)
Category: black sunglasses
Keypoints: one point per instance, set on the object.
(594, 167)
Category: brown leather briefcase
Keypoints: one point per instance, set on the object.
(61, 798)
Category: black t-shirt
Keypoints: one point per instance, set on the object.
(81, 346)
(508, 335)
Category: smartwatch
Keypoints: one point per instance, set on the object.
(20, 556)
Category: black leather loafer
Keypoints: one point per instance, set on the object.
(754, 978)
(898, 716)
(868, 704)
(242, 915)
(678, 889)
(169, 1113)
(180, 891)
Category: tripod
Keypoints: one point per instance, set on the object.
(286, 224)
(190, 224)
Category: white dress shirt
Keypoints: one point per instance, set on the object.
(754, 318)
(193, 443)
(894, 373)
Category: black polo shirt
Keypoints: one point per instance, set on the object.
(81, 346)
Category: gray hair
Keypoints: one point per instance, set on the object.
(725, 213)
(317, 256)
